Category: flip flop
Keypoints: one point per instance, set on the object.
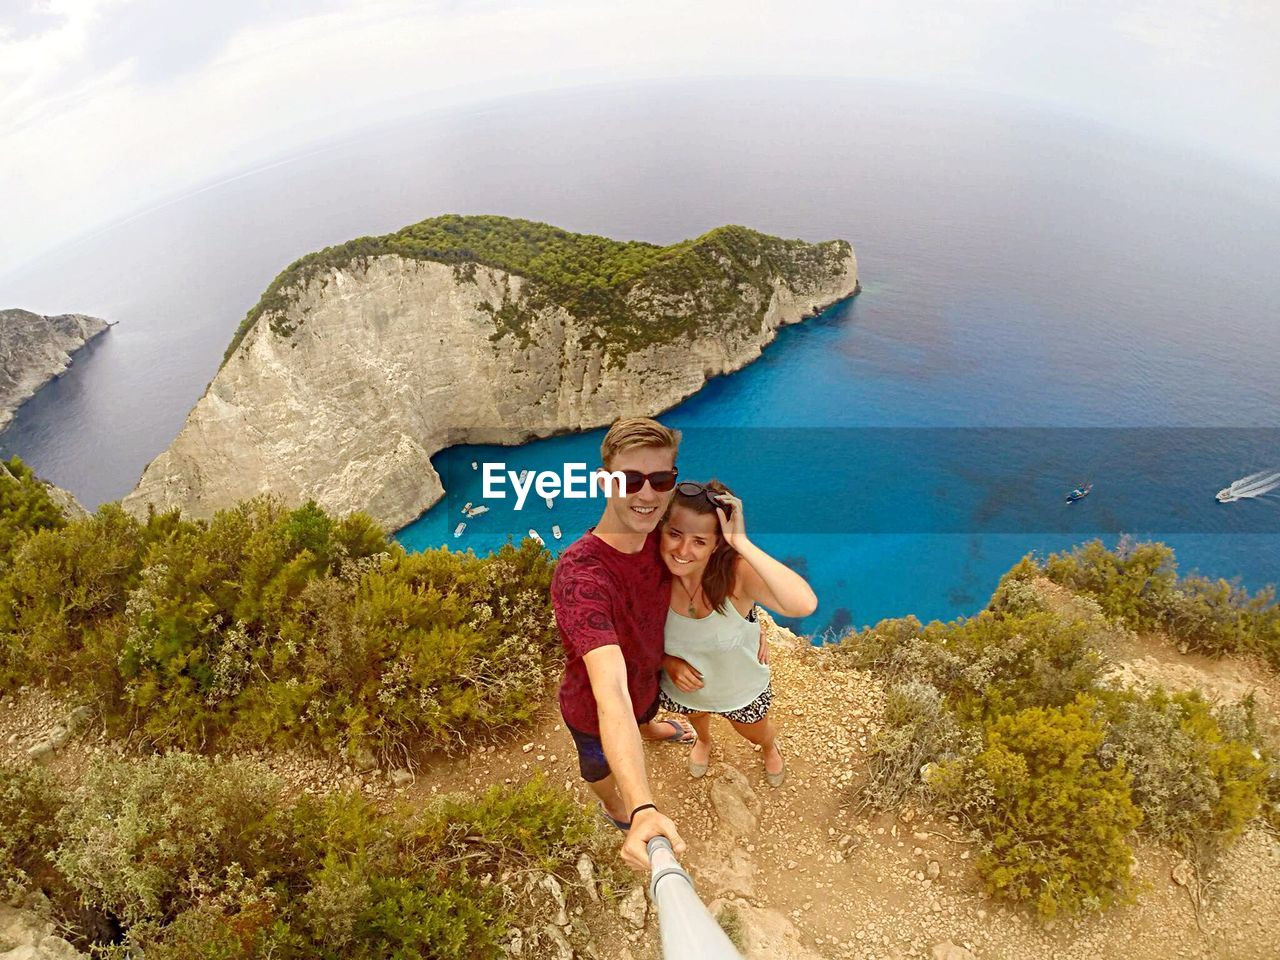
(681, 735)
(622, 825)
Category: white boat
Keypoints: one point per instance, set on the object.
(467, 508)
(476, 511)
(474, 465)
(1254, 485)
(533, 534)
(457, 531)
(555, 531)
(550, 502)
(523, 474)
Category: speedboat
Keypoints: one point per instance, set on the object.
(550, 502)
(1254, 485)
(555, 531)
(457, 531)
(533, 534)
(1079, 493)
(467, 508)
(476, 511)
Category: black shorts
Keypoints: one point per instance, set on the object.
(591, 762)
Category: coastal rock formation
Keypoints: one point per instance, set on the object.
(363, 361)
(34, 349)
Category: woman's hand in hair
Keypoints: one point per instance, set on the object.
(734, 527)
(681, 673)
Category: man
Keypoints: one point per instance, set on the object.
(611, 592)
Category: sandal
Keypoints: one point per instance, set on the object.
(622, 825)
(681, 735)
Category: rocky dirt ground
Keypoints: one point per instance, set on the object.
(807, 874)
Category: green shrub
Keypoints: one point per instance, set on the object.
(1002, 718)
(1138, 584)
(918, 729)
(989, 664)
(30, 800)
(269, 625)
(204, 859)
(1198, 774)
(1055, 821)
(25, 506)
(1124, 582)
(61, 587)
(150, 840)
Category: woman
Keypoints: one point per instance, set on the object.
(717, 660)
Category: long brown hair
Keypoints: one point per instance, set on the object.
(717, 578)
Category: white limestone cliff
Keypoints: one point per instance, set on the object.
(375, 366)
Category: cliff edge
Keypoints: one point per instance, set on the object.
(34, 349)
(362, 361)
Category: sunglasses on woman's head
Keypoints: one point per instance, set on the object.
(660, 480)
(690, 489)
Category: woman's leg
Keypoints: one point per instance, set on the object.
(701, 752)
(764, 733)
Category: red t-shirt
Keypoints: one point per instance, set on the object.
(604, 596)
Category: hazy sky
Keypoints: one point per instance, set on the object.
(109, 106)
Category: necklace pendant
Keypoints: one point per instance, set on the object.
(693, 612)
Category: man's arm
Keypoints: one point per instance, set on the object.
(624, 749)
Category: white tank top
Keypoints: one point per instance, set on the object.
(723, 647)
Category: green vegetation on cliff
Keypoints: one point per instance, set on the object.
(199, 859)
(693, 284)
(1138, 584)
(1006, 721)
(266, 625)
(25, 505)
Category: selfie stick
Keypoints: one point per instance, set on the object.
(689, 932)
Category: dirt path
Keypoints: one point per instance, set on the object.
(811, 877)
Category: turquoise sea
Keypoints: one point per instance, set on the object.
(1045, 301)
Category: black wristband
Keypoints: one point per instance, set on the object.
(643, 806)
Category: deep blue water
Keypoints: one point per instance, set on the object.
(1025, 272)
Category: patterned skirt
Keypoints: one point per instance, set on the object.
(753, 712)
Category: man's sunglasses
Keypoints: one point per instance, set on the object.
(661, 481)
(688, 488)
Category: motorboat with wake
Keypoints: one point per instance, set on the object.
(1254, 485)
(1080, 492)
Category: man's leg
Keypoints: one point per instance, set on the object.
(662, 729)
(595, 772)
(607, 791)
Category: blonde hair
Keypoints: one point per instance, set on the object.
(631, 432)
